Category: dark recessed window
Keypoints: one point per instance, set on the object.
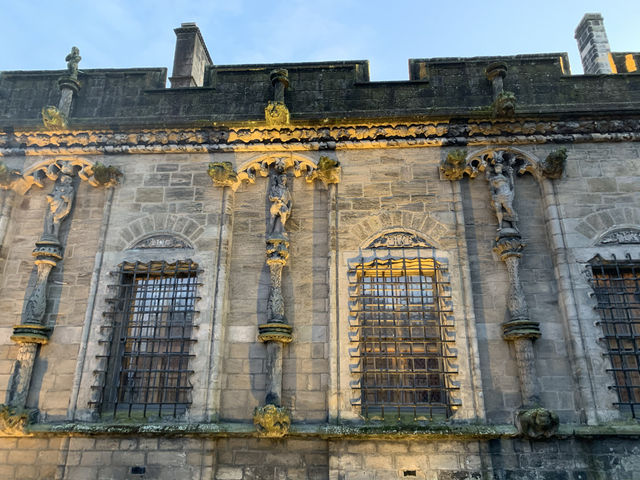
(148, 365)
(617, 289)
(401, 331)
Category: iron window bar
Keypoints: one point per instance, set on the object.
(145, 372)
(616, 285)
(401, 332)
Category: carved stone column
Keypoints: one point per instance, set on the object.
(33, 330)
(501, 167)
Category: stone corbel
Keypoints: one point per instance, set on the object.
(15, 421)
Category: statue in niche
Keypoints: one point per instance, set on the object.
(280, 199)
(73, 59)
(501, 182)
(60, 201)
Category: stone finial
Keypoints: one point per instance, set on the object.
(73, 59)
(553, 165)
(272, 421)
(276, 112)
(537, 423)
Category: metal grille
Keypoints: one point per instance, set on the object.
(617, 289)
(148, 371)
(401, 328)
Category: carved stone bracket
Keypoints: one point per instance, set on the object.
(272, 421)
(537, 423)
(14, 421)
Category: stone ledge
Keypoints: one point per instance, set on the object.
(324, 431)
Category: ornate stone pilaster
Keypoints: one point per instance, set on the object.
(271, 419)
(500, 167)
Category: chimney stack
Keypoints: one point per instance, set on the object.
(190, 58)
(593, 44)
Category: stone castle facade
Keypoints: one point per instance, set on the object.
(290, 271)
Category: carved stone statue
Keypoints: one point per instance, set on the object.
(502, 192)
(73, 59)
(60, 201)
(280, 199)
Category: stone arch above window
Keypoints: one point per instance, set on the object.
(181, 227)
(599, 227)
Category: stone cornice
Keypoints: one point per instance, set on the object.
(326, 431)
(301, 138)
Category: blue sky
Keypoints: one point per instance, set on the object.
(37, 34)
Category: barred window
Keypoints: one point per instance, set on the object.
(617, 290)
(401, 330)
(148, 365)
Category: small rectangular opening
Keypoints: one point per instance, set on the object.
(138, 470)
(409, 473)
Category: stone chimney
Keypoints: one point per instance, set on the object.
(190, 58)
(593, 44)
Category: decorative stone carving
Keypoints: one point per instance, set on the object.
(8, 178)
(272, 421)
(53, 119)
(537, 423)
(328, 171)
(280, 199)
(621, 236)
(21, 375)
(500, 176)
(398, 239)
(73, 59)
(14, 421)
(495, 73)
(248, 139)
(106, 176)
(223, 175)
(504, 105)
(276, 114)
(553, 164)
(453, 166)
(162, 241)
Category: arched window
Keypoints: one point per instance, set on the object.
(401, 330)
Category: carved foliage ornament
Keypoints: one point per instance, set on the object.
(96, 174)
(223, 175)
(458, 162)
(162, 241)
(14, 421)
